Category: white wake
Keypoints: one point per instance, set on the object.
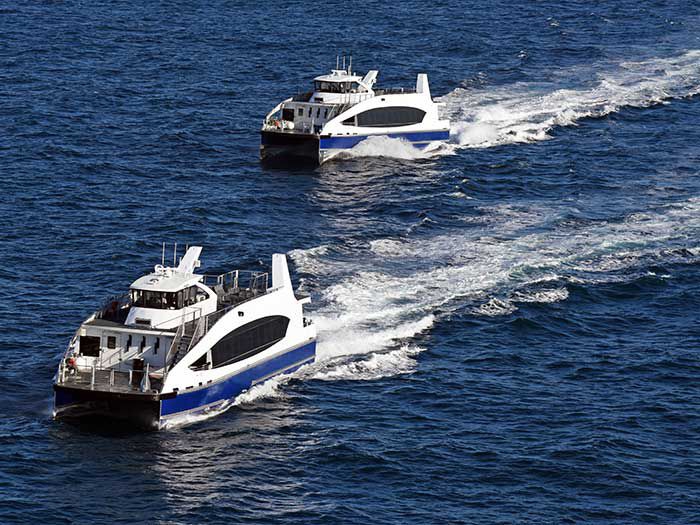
(370, 305)
(528, 112)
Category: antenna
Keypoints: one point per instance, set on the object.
(175, 255)
(343, 62)
(350, 66)
(337, 61)
(162, 257)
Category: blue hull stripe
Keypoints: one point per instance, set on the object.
(349, 142)
(234, 385)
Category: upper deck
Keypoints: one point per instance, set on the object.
(113, 368)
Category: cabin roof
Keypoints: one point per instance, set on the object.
(339, 75)
(166, 281)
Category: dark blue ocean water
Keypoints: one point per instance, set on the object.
(508, 326)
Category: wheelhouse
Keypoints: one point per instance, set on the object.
(157, 300)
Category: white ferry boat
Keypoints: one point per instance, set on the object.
(181, 343)
(344, 109)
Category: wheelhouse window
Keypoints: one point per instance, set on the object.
(249, 340)
(333, 87)
(156, 300)
(167, 300)
(388, 117)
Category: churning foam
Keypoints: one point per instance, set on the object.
(526, 112)
(390, 290)
(369, 305)
(396, 148)
(374, 366)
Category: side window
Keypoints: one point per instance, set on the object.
(301, 112)
(111, 342)
(350, 122)
(249, 340)
(288, 114)
(89, 346)
(390, 117)
(310, 110)
(188, 296)
(199, 363)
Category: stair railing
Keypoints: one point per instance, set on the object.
(173, 347)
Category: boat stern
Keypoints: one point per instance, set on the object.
(283, 146)
(136, 410)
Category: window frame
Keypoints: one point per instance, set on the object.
(248, 340)
(394, 117)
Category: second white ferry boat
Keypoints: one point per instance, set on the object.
(344, 109)
(181, 343)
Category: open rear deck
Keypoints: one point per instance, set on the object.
(110, 380)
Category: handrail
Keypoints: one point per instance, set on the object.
(120, 358)
(71, 346)
(218, 314)
(195, 335)
(173, 347)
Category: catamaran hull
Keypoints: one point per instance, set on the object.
(286, 146)
(135, 410)
(156, 411)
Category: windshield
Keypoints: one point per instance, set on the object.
(167, 300)
(158, 300)
(333, 87)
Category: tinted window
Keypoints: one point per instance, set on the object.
(248, 340)
(288, 114)
(90, 346)
(159, 300)
(390, 117)
(330, 87)
(166, 300)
